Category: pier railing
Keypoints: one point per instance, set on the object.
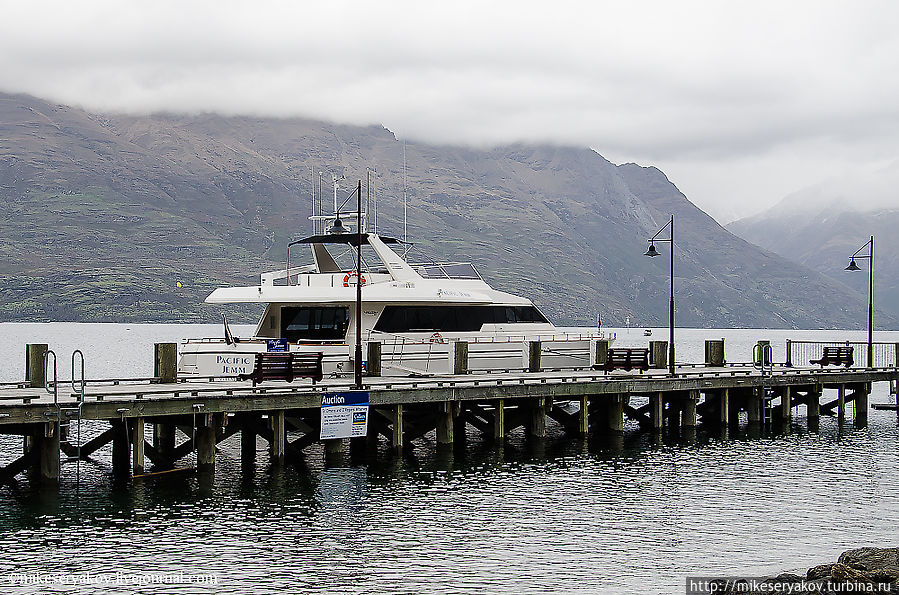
(800, 353)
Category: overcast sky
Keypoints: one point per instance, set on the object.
(739, 103)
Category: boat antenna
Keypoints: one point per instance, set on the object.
(367, 196)
(405, 233)
(322, 226)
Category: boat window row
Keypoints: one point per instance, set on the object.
(324, 323)
(459, 319)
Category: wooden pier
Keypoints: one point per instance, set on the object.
(192, 416)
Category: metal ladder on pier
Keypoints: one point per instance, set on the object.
(763, 360)
(65, 415)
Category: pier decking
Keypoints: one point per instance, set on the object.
(584, 402)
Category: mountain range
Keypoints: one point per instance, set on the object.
(112, 217)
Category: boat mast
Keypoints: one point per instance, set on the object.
(405, 234)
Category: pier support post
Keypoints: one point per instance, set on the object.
(861, 405)
(396, 438)
(278, 446)
(373, 363)
(205, 435)
(121, 450)
(445, 424)
(813, 407)
(334, 450)
(499, 420)
(165, 362)
(34, 364)
(786, 405)
(583, 417)
(755, 405)
(615, 413)
(656, 409)
(137, 446)
(460, 358)
(724, 406)
(535, 353)
(164, 442)
(689, 413)
(537, 420)
(459, 430)
(47, 441)
(247, 445)
(841, 404)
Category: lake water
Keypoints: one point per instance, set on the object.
(566, 516)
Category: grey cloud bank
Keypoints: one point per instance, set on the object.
(740, 103)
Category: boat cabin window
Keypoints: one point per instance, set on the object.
(400, 319)
(325, 323)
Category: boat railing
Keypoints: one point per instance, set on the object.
(446, 270)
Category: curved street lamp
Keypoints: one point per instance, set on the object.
(653, 252)
(853, 266)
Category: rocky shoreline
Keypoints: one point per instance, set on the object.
(862, 570)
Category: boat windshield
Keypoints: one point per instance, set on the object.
(449, 270)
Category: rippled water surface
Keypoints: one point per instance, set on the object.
(566, 516)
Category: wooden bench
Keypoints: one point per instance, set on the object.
(285, 366)
(835, 356)
(626, 359)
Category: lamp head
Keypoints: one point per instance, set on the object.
(337, 227)
(853, 266)
(652, 250)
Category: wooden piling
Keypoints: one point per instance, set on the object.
(34, 364)
(841, 404)
(499, 420)
(714, 353)
(755, 405)
(373, 363)
(47, 442)
(536, 427)
(247, 445)
(601, 356)
(396, 439)
(535, 353)
(723, 407)
(658, 354)
(205, 443)
(121, 449)
(334, 450)
(813, 408)
(137, 446)
(615, 413)
(786, 405)
(689, 411)
(164, 443)
(445, 423)
(861, 405)
(165, 362)
(278, 445)
(583, 417)
(656, 411)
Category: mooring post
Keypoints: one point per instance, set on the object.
(121, 449)
(724, 408)
(841, 404)
(137, 446)
(373, 363)
(499, 420)
(583, 417)
(460, 357)
(714, 353)
(396, 438)
(278, 421)
(48, 453)
(34, 364)
(165, 362)
(861, 405)
(656, 409)
(205, 433)
(601, 356)
(537, 419)
(535, 353)
(658, 354)
(445, 423)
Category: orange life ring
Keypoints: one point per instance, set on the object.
(350, 275)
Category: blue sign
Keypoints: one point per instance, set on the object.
(276, 345)
(344, 415)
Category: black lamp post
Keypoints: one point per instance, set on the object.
(358, 366)
(854, 267)
(653, 252)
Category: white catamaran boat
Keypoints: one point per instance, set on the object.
(415, 312)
